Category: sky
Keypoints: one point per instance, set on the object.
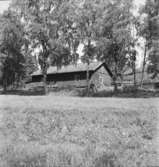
(4, 4)
(139, 2)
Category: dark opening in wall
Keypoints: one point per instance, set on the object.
(156, 85)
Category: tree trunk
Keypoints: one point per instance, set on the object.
(115, 79)
(45, 80)
(135, 84)
(115, 86)
(143, 67)
(4, 86)
(134, 74)
(44, 68)
(45, 83)
(87, 77)
(5, 89)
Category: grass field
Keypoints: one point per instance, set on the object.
(54, 131)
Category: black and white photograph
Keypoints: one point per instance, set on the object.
(79, 83)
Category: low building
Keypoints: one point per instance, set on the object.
(76, 76)
(149, 81)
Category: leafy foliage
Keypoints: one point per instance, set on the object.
(43, 26)
(11, 44)
(150, 31)
(114, 37)
(57, 28)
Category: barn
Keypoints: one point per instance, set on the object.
(75, 76)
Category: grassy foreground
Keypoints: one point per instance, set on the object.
(54, 131)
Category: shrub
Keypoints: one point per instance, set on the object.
(130, 89)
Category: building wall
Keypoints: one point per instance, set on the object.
(72, 76)
(73, 79)
(68, 84)
(101, 79)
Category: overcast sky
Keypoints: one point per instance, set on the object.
(3, 5)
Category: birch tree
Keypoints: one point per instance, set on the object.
(42, 22)
(114, 36)
(12, 42)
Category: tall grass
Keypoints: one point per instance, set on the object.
(78, 132)
(59, 157)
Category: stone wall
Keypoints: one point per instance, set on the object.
(101, 79)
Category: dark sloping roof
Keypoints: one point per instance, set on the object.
(70, 68)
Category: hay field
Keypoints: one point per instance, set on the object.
(55, 131)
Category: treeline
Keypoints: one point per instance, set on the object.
(44, 33)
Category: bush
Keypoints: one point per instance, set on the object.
(129, 89)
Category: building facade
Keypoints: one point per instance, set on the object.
(100, 76)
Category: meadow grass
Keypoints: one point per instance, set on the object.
(55, 131)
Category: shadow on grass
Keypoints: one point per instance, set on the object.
(139, 93)
(23, 93)
(128, 94)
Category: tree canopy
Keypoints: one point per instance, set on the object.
(43, 28)
(12, 42)
(56, 29)
(150, 31)
(114, 35)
